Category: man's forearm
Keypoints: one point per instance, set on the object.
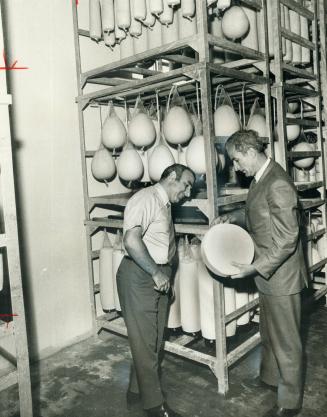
(140, 254)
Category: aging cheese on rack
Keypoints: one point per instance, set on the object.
(103, 165)
(159, 160)
(235, 23)
(106, 281)
(107, 15)
(95, 24)
(177, 126)
(129, 165)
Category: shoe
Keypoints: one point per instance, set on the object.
(132, 399)
(282, 412)
(162, 411)
(257, 382)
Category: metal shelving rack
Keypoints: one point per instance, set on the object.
(197, 68)
(19, 371)
(295, 82)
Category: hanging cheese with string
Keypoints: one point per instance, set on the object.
(114, 134)
(159, 160)
(250, 40)
(103, 166)
(106, 281)
(295, 27)
(135, 29)
(188, 8)
(129, 164)
(257, 121)
(141, 130)
(150, 19)
(169, 33)
(288, 44)
(123, 14)
(226, 120)
(235, 23)
(166, 17)
(156, 7)
(218, 53)
(305, 52)
(188, 281)
(108, 15)
(230, 306)
(177, 126)
(186, 24)
(117, 256)
(120, 34)
(139, 7)
(109, 39)
(95, 25)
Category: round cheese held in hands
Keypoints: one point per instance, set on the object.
(224, 244)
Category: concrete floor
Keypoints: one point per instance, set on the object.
(90, 379)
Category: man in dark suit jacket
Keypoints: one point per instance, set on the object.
(272, 219)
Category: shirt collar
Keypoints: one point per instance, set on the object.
(162, 194)
(259, 174)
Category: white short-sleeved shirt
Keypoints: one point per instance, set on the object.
(150, 209)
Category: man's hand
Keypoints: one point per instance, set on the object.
(220, 219)
(162, 282)
(245, 270)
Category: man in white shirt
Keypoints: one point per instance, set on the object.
(144, 279)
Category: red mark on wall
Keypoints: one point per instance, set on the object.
(12, 66)
(8, 315)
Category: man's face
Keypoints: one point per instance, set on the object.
(179, 189)
(243, 162)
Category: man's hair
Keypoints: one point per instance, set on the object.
(243, 140)
(178, 168)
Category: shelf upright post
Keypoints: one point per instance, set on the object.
(87, 207)
(9, 242)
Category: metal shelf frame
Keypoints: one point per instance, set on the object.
(200, 69)
(301, 88)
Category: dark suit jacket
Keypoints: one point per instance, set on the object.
(273, 221)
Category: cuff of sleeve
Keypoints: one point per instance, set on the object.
(261, 270)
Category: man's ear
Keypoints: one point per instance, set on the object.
(252, 152)
(172, 176)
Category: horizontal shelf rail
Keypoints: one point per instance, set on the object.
(296, 7)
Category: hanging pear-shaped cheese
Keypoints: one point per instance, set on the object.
(159, 160)
(235, 23)
(114, 134)
(226, 121)
(292, 131)
(141, 130)
(103, 165)
(177, 126)
(306, 162)
(129, 165)
(195, 155)
(257, 123)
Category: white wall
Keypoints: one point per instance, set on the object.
(39, 33)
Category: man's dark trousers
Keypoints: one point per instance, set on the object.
(145, 312)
